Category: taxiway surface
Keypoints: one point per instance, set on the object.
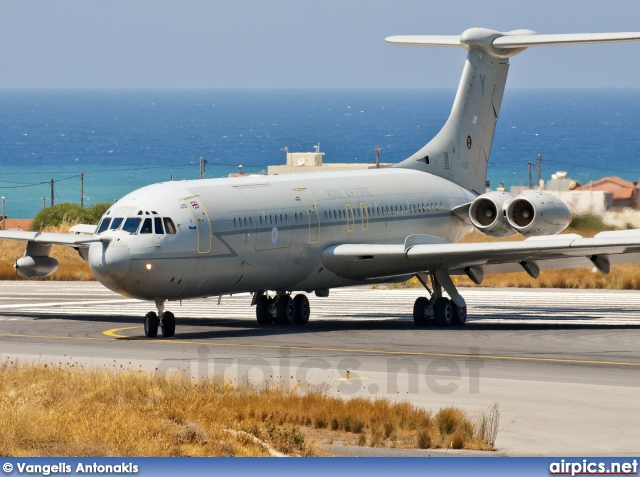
(563, 365)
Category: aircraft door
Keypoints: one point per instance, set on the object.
(350, 218)
(202, 223)
(312, 214)
(365, 216)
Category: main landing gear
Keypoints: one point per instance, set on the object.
(165, 320)
(439, 310)
(281, 309)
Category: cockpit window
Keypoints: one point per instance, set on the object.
(146, 227)
(131, 225)
(104, 225)
(116, 223)
(169, 227)
(157, 225)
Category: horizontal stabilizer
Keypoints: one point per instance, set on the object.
(426, 40)
(525, 41)
(507, 44)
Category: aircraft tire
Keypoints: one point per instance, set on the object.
(303, 310)
(420, 311)
(459, 316)
(443, 311)
(151, 323)
(263, 310)
(168, 324)
(285, 310)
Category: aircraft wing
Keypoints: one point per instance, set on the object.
(49, 238)
(362, 261)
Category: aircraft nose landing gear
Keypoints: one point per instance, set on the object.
(165, 320)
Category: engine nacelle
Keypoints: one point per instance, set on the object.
(487, 214)
(35, 267)
(535, 213)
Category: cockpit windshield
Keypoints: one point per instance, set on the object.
(131, 225)
(157, 225)
(117, 222)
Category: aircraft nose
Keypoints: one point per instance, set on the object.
(109, 261)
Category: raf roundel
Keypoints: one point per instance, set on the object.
(274, 235)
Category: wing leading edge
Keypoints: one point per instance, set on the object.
(364, 261)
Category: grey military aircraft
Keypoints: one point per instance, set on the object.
(277, 235)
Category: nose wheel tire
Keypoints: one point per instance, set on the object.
(151, 323)
(303, 310)
(168, 324)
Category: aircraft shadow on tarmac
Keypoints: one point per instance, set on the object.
(233, 327)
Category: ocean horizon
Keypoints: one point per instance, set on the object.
(125, 139)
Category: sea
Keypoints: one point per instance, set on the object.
(125, 139)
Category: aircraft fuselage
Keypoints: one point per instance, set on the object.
(253, 233)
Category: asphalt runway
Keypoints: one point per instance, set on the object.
(562, 365)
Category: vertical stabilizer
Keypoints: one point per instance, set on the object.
(460, 151)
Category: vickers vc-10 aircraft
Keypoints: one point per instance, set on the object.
(277, 235)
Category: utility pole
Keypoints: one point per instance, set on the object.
(82, 189)
(539, 168)
(52, 182)
(377, 149)
(530, 184)
(4, 216)
(203, 167)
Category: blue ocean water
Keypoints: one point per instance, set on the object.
(123, 140)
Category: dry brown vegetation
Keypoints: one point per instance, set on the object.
(72, 267)
(67, 410)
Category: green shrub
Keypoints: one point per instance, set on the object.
(589, 222)
(73, 213)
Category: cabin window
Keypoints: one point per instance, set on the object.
(146, 227)
(104, 225)
(131, 225)
(250, 222)
(157, 226)
(245, 221)
(116, 223)
(169, 226)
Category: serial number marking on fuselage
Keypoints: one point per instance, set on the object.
(352, 193)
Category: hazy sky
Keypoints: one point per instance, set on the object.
(297, 43)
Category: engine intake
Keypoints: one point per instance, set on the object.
(487, 214)
(536, 213)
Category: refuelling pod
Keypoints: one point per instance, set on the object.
(487, 214)
(35, 267)
(535, 213)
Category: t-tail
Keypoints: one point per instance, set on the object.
(460, 151)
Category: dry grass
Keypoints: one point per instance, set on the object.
(67, 410)
(72, 267)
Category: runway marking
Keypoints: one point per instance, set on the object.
(113, 333)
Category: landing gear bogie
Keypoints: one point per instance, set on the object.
(439, 310)
(282, 309)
